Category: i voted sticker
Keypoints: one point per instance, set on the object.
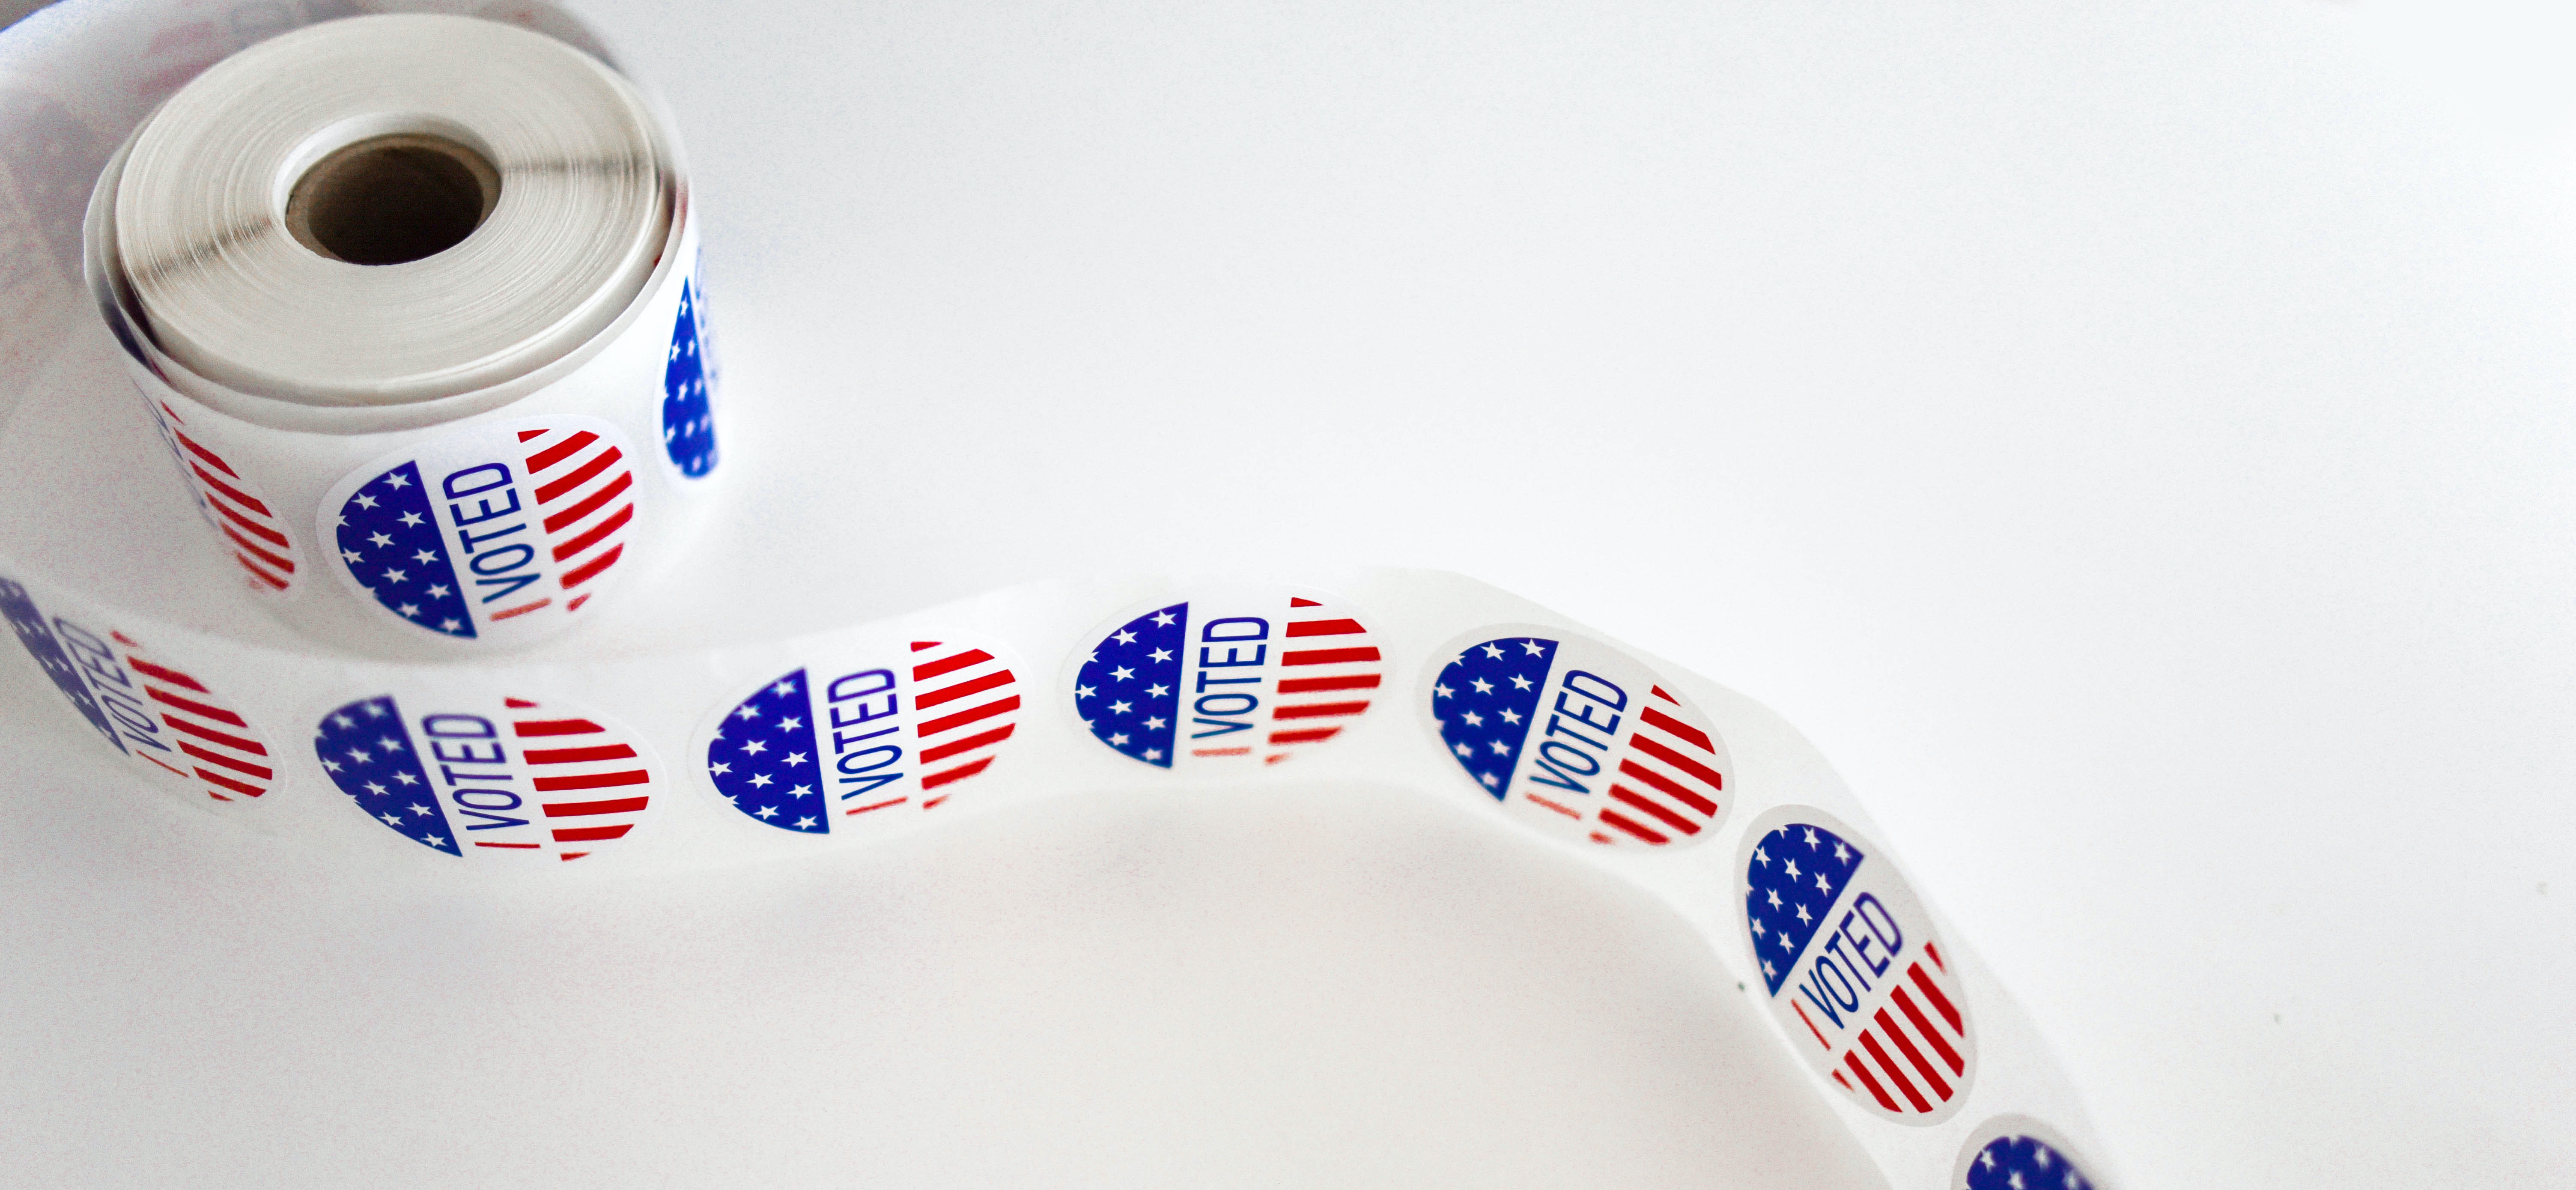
(490, 777)
(2019, 1153)
(1579, 738)
(498, 533)
(1852, 970)
(163, 715)
(233, 504)
(846, 743)
(1224, 680)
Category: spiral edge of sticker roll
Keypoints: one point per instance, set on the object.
(519, 506)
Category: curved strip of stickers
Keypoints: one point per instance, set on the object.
(1228, 680)
(827, 748)
(1856, 979)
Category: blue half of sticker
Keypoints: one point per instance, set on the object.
(370, 757)
(1797, 874)
(762, 758)
(688, 419)
(2024, 1163)
(1487, 702)
(390, 539)
(29, 624)
(1129, 692)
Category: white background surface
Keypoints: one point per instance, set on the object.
(2130, 439)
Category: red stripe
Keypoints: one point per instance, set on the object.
(1304, 736)
(529, 845)
(1940, 1045)
(1931, 1078)
(520, 610)
(580, 475)
(260, 531)
(560, 451)
(239, 496)
(1934, 950)
(193, 707)
(527, 727)
(1664, 752)
(234, 742)
(241, 787)
(616, 805)
(1552, 805)
(1895, 1073)
(1852, 1059)
(594, 781)
(931, 669)
(212, 459)
(590, 569)
(571, 855)
(577, 755)
(960, 773)
(1318, 685)
(591, 503)
(1651, 806)
(1811, 1027)
(256, 572)
(969, 744)
(1676, 789)
(1940, 1003)
(1245, 750)
(960, 690)
(172, 676)
(1632, 826)
(255, 549)
(1324, 627)
(585, 834)
(878, 806)
(596, 533)
(165, 764)
(1677, 728)
(932, 727)
(1328, 656)
(234, 763)
(1318, 710)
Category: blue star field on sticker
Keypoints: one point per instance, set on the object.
(688, 417)
(390, 539)
(369, 755)
(1796, 873)
(1485, 701)
(1129, 691)
(2023, 1163)
(763, 758)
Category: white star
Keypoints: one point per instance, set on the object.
(1155, 723)
(1520, 683)
(375, 788)
(411, 518)
(800, 791)
(1502, 749)
(423, 556)
(1511, 716)
(1441, 691)
(745, 712)
(760, 780)
(1119, 708)
(791, 723)
(805, 823)
(450, 624)
(393, 576)
(783, 687)
(1823, 885)
(332, 765)
(1124, 637)
(1464, 750)
(1842, 853)
(1153, 754)
(380, 539)
(767, 812)
(1482, 686)
(755, 747)
(397, 480)
(1762, 857)
(795, 758)
(1473, 719)
(1082, 692)
(1775, 898)
(1811, 838)
(1162, 619)
(409, 609)
(1158, 690)
(1160, 654)
(434, 840)
(720, 768)
(1533, 648)
(406, 778)
(1794, 873)
(417, 808)
(438, 592)
(1803, 915)
(1122, 673)
(351, 555)
(391, 819)
(1487, 778)
(1494, 651)
(365, 501)
(358, 755)
(1119, 740)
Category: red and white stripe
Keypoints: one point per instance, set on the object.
(221, 752)
(1668, 785)
(591, 786)
(1328, 674)
(249, 525)
(965, 703)
(1910, 1058)
(585, 499)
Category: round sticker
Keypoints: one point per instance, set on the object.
(163, 715)
(844, 743)
(496, 533)
(1852, 970)
(233, 504)
(2019, 1153)
(1227, 680)
(489, 777)
(1579, 738)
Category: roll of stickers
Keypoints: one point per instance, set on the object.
(413, 301)
(482, 479)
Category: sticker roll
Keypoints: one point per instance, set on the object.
(413, 302)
